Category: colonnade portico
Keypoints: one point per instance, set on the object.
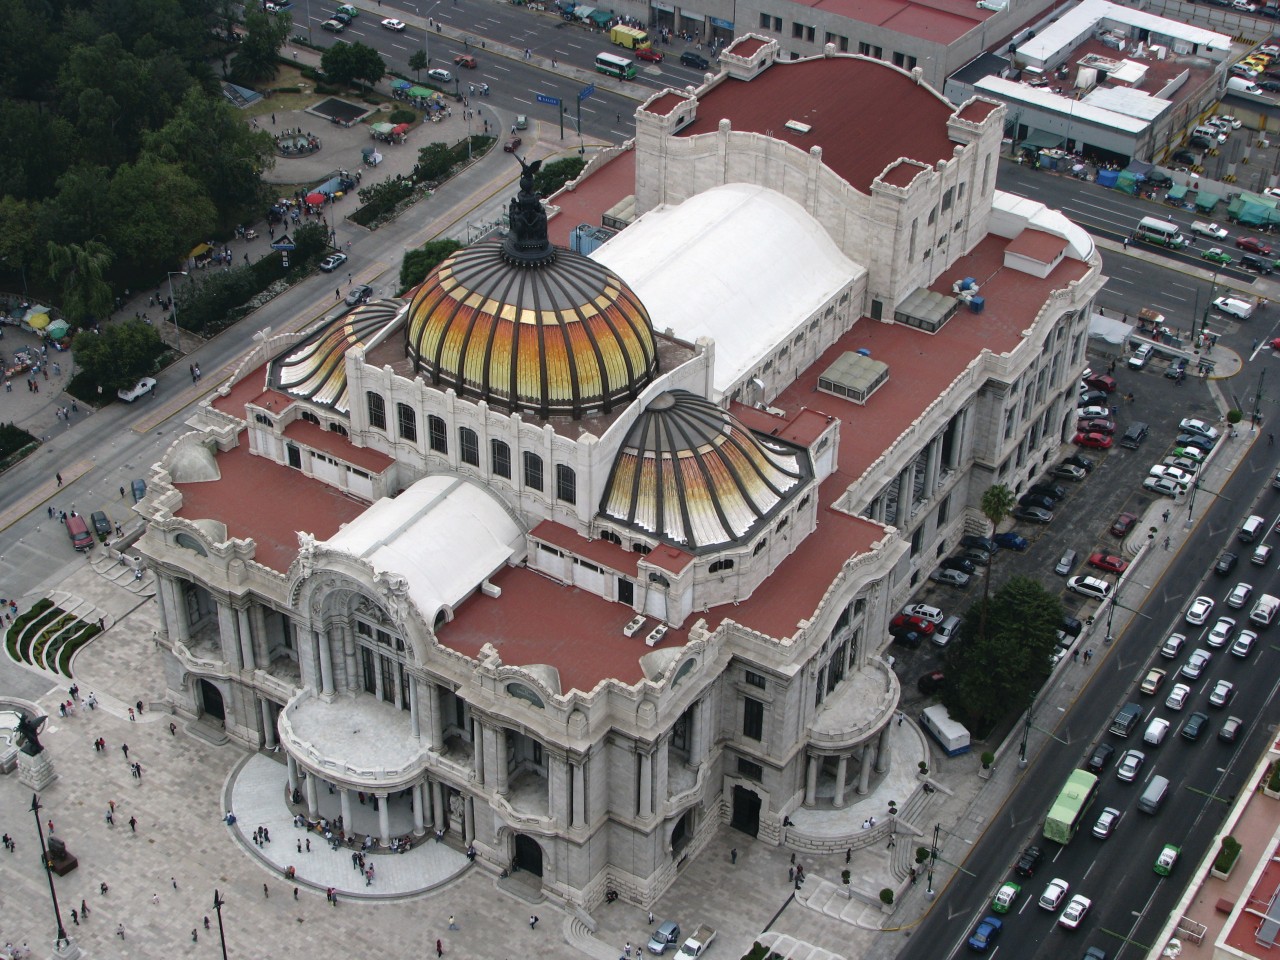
(872, 755)
(853, 724)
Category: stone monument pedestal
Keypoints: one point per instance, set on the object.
(36, 772)
(65, 950)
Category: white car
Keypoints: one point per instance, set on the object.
(1054, 893)
(1178, 696)
(1244, 643)
(923, 611)
(1221, 632)
(1180, 477)
(1262, 556)
(143, 388)
(1239, 595)
(1090, 587)
(1196, 663)
(1223, 692)
(1198, 612)
(1107, 821)
(1163, 486)
(1094, 413)
(1130, 764)
(395, 25)
(1198, 426)
(1156, 731)
(441, 74)
(1233, 121)
(1075, 911)
(1173, 646)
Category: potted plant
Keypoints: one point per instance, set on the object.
(1271, 783)
(923, 771)
(1225, 861)
(988, 768)
(886, 900)
(845, 876)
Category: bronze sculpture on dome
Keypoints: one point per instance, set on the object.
(527, 243)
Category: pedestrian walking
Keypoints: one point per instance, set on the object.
(125, 747)
(1166, 543)
(119, 927)
(131, 717)
(733, 855)
(914, 876)
(173, 729)
(155, 899)
(308, 844)
(452, 925)
(791, 874)
(299, 846)
(439, 948)
(533, 921)
(1075, 656)
(195, 936)
(206, 923)
(75, 917)
(266, 892)
(1271, 439)
(626, 951)
(133, 824)
(848, 854)
(174, 882)
(102, 888)
(58, 476)
(651, 918)
(84, 908)
(295, 893)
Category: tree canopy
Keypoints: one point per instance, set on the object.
(118, 356)
(352, 63)
(264, 36)
(987, 676)
(556, 174)
(418, 263)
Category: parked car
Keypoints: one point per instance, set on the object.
(1080, 460)
(950, 578)
(958, 563)
(1012, 541)
(1191, 425)
(1166, 488)
(143, 388)
(1033, 514)
(1092, 398)
(981, 543)
(1036, 500)
(1090, 587)
(101, 523)
(931, 682)
(1123, 524)
(975, 556)
(1108, 562)
(1096, 425)
(924, 612)
(1177, 369)
(1066, 471)
(903, 624)
(695, 60)
(1095, 441)
(1141, 356)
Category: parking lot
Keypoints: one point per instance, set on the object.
(1082, 520)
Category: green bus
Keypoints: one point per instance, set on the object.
(615, 66)
(1068, 811)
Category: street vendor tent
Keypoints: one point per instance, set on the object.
(400, 84)
(1206, 201)
(200, 250)
(1108, 178)
(1127, 181)
(58, 329)
(400, 129)
(383, 128)
(583, 12)
(316, 197)
(420, 91)
(37, 317)
(1177, 192)
(601, 17)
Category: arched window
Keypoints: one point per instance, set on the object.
(718, 566)
(407, 422)
(566, 484)
(377, 409)
(659, 579)
(310, 417)
(469, 446)
(437, 435)
(532, 471)
(759, 546)
(500, 458)
(608, 536)
(639, 547)
(338, 429)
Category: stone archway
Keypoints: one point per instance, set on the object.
(210, 699)
(746, 810)
(528, 855)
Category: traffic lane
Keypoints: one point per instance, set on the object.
(991, 858)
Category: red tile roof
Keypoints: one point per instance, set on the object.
(663, 105)
(251, 388)
(746, 47)
(337, 446)
(1038, 245)
(609, 555)
(844, 100)
(605, 187)
(902, 173)
(260, 499)
(939, 21)
(975, 111)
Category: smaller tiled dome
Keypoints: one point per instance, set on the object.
(692, 476)
(316, 369)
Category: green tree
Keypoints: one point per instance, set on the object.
(338, 64)
(1001, 666)
(368, 64)
(80, 273)
(435, 160)
(159, 213)
(418, 263)
(418, 61)
(19, 252)
(119, 355)
(555, 175)
(997, 503)
(257, 58)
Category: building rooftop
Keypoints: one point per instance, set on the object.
(938, 21)
(841, 98)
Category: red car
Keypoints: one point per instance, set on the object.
(1096, 426)
(1275, 344)
(650, 54)
(1099, 441)
(512, 144)
(465, 60)
(1105, 561)
(905, 624)
(1253, 245)
(1100, 381)
(1123, 523)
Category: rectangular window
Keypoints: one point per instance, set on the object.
(797, 30)
(750, 770)
(911, 63)
(810, 33)
(752, 718)
(407, 422)
(437, 435)
(500, 458)
(532, 471)
(469, 446)
(899, 59)
(377, 410)
(864, 49)
(766, 21)
(947, 198)
(755, 679)
(566, 484)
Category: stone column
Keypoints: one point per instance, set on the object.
(661, 759)
(811, 781)
(246, 644)
(884, 750)
(646, 786)
(696, 722)
(477, 751)
(437, 805)
(932, 464)
(864, 773)
(499, 758)
(258, 621)
(162, 604)
(436, 716)
(246, 630)
(415, 719)
(227, 634)
(349, 657)
(268, 723)
(180, 621)
(579, 796)
(313, 807)
(326, 663)
(292, 766)
(469, 820)
(377, 675)
(384, 820)
(842, 768)
(344, 798)
(559, 791)
(419, 827)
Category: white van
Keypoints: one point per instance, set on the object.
(1090, 587)
(946, 630)
(951, 735)
(1141, 356)
(1251, 528)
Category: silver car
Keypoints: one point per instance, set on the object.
(1107, 821)
(1130, 765)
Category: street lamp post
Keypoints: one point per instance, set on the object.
(63, 947)
(177, 334)
(218, 903)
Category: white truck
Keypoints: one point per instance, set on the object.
(1264, 611)
(695, 945)
(1209, 230)
(1234, 306)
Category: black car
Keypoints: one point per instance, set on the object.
(1195, 725)
(1093, 398)
(1029, 861)
(1177, 370)
(1226, 563)
(1194, 440)
(1256, 264)
(1080, 460)
(1161, 181)
(930, 683)
(1036, 500)
(101, 523)
(1185, 156)
(1204, 143)
(1099, 758)
(695, 60)
(958, 563)
(979, 543)
(1050, 490)
(1269, 85)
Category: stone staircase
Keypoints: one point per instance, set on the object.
(914, 828)
(579, 936)
(120, 570)
(789, 948)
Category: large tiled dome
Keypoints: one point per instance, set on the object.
(527, 327)
(691, 475)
